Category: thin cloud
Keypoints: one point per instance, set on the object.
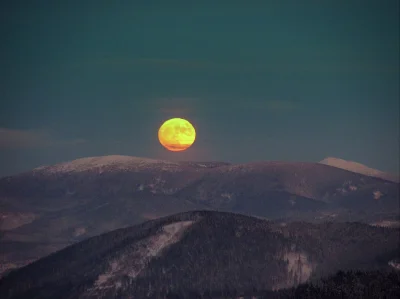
(176, 63)
(274, 105)
(323, 67)
(24, 139)
(157, 62)
(176, 107)
(175, 111)
(129, 63)
(276, 67)
(280, 105)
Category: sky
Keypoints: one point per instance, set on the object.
(260, 80)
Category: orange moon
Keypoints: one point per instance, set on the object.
(176, 134)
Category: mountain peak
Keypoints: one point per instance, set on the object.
(358, 168)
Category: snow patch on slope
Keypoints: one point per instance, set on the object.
(358, 168)
(79, 231)
(135, 259)
(12, 220)
(377, 194)
(395, 264)
(299, 268)
(387, 223)
(154, 245)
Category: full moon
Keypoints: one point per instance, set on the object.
(176, 134)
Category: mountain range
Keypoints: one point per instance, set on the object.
(203, 250)
(51, 207)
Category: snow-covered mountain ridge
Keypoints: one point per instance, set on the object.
(121, 163)
(358, 168)
(126, 163)
(112, 161)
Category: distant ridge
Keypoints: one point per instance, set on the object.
(120, 163)
(358, 168)
(84, 164)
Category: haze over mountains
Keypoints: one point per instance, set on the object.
(203, 251)
(54, 206)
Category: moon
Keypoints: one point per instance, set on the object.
(176, 134)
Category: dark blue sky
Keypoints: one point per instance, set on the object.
(260, 80)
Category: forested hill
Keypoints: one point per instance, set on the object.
(202, 250)
(344, 285)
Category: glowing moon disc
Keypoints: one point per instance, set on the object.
(176, 134)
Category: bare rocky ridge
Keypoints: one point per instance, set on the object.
(199, 251)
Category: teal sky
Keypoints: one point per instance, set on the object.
(260, 80)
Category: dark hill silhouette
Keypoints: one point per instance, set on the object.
(346, 285)
(200, 251)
